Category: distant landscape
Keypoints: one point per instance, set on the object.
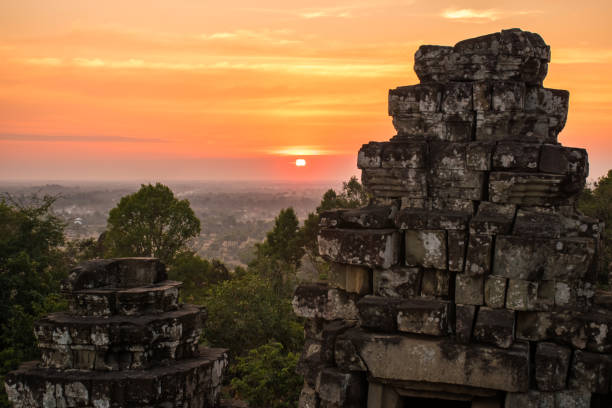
(234, 215)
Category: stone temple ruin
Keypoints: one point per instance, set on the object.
(469, 279)
(125, 342)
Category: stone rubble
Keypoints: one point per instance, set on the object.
(126, 341)
(470, 275)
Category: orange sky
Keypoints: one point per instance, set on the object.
(194, 89)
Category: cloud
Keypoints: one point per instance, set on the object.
(76, 138)
(277, 37)
(485, 15)
(301, 151)
(288, 65)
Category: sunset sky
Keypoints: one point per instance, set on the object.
(194, 89)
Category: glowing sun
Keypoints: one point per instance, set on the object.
(300, 162)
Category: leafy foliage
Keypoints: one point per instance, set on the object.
(266, 377)
(277, 258)
(353, 195)
(32, 265)
(151, 222)
(246, 312)
(197, 275)
(596, 201)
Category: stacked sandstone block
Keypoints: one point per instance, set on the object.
(470, 276)
(125, 342)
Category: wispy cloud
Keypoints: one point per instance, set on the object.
(76, 138)
(296, 65)
(483, 15)
(266, 35)
(343, 12)
(301, 151)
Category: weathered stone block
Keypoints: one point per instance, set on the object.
(494, 326)
(457, 97)
(347, 357)
(572, 399)
(479, 252)
(369, 156)
(598, 330)
(456, 183)
(374, 248)
(116, 273)
(512, 55)
(519, 126)
(459, 126)
(397, 281)
(409, 155)
(423, 125)
(591, 372)
(478, 155)
(331, 330)
(516, 156)
(311, 362)
(495, 291)
(444, 155)
(469, 290)
(522, 295)
(564, 160)
(415, 219)
(528, 188)
(435, 283)
(317, 300)
(351, 278)
(558, 399)
(423, 316)
(395, 182)
(576, 294)
(308, 398)
(482, 95)
(530, 399)
(493, 219)
(457, 245)
(372, 217)
(537, 224)
(343, 389)
(426, 248)
(440, 360)
(551, 366)
(532, 258)
(464, 321)
(561, 327)
(415, 98)
(378, 313)
(508, 96)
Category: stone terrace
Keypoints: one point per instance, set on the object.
(126, 342)
(469, 279)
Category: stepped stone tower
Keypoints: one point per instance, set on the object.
(126, 342)
(469, 279)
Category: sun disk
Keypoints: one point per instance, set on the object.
(300, 162)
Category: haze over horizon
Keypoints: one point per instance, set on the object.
(238, 90)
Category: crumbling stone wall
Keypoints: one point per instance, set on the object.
(125, 342)
(470, 276)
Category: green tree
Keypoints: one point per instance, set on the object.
(266, 377)
(32, 265)
(353, 195)
(278, 257)
(150, 222)
(596, 201)
(246, 312)
(197, 274)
